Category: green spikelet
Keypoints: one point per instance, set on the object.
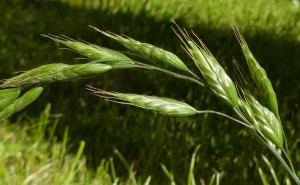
(55, 72)
(29, 77)
(149, 51)
(166, 106)
(96, 53)
(21, 103)
(7, 96)
(215, 76)
(259, 75)
(246, 112)
(267, 122)
(83, 70)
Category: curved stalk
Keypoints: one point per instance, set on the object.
(290, 168)
(279, 157)
(146, 66)
(224, 115)
(287, 153)
(285, 165)
(193, 74)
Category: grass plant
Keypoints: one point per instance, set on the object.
(262, 119)
(271, 29)
(264, 123)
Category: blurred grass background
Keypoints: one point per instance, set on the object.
(271, 29)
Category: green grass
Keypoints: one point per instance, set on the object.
(280, 18)
(28, 158)
(148, 139)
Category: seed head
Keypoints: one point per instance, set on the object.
(55, 72)
(166, 106)
(96, 53)
(267, 123)
(148, 51)
(259, 75)
(215, 76)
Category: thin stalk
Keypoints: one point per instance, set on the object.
(224, 115)
(282, 161)
(237, 111)
(286, 148)
(193, 74)
(146, 66)
(286, 152)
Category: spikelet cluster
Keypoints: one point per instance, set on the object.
(22, 102)
(263, 119)
(259, 75)
(215, 76)
(55, 72)
(268, 123)
(149, 51)
(166, 106)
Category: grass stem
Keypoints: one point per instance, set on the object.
(224, 115)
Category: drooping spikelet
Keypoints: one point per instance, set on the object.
(166, 106)
(148, 51)
(267, 122)
(55, 72)
(259, 75)
(96, 53)
(21, 103)
(215, 76)
(7, 96)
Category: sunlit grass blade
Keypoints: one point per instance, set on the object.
(129, 168)
(112, 168)
(271, 170)
(168, 174)
(288, 181)
(212, 179)
(148, 180)
(191, 178)
(263, 177)
(73, 169)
